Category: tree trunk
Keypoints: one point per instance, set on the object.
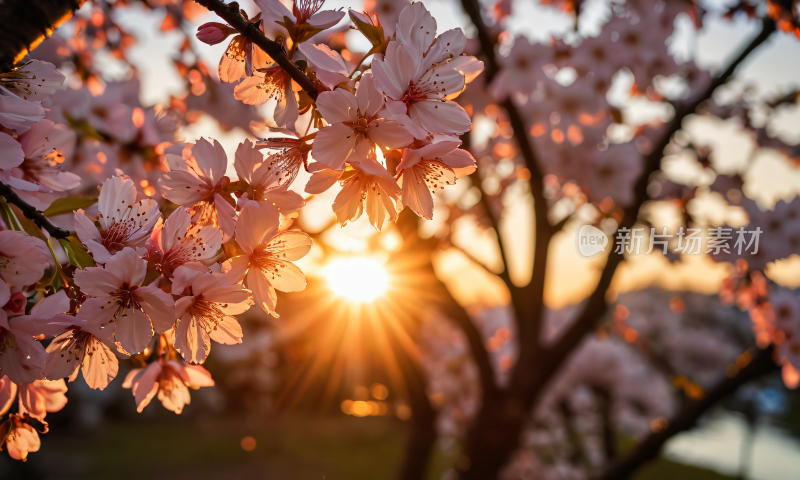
(25, 23)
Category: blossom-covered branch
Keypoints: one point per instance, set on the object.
(231, 14)
(596, 304)
(763, 363)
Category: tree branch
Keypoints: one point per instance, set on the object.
(475, 339)
(686, 418)
(230, 13)
(596, 305)
(32, 213)
(25, 23)
(529, 300)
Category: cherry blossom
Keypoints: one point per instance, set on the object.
(267, 180)
(178, 241)
(328, 65)
(46, 146)
(23, 259)
(117, 295)
(355, 126)
(21, 356)
(416, 77)
(19, 437)
(35, 399)
(207, 312)
(123, 221)
(304, 20)
(367, 186)
(170, 379)
(430, 167)
(267, 264)
(34, 81)
(83, 346)
(197, 181)
(241, 57)
(18, 114)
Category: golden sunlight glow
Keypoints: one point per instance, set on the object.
(357, 279)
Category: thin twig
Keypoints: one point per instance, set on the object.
(230, 13)
(32, 213)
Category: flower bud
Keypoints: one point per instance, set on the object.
(213, 33)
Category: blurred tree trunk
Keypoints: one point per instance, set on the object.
(422, 424)
(25, 23)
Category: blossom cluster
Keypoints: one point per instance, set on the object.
(159, 281)
(387, 132)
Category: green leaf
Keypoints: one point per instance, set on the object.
(31, 228)
(77, 253)
(68, 205)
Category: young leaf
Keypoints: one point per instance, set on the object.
(68, 205)
(77, 253)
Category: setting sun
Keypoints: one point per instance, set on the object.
(358, 279)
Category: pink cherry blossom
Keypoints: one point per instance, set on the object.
(416, 77)
(242, 57)
(83, 346)
(355, 126)
(170, 379)
(303, 12)
(118, 296)
(267, 264)
(521, 68)
(367, 186)
(322, 178)
(19, 438)
(46, 146)
(431, 167)
(34, 81)
(197, 181)
(23, 259)
(124, 222)
(11, 153)
(35, 399)
(268, 180)
(271, 83)
(328, 65)
(178, 241)
(207, 313)
(21, 356)
(18, 114)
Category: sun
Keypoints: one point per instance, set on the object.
(357, 279)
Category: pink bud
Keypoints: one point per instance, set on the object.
(213, 33)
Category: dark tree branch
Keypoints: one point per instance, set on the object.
(686, 418)
(422, 425)
(230, 13)
(475, 339)
(32, 213)
(25, 23)
(529, 300)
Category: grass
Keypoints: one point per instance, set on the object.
(209, 447)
